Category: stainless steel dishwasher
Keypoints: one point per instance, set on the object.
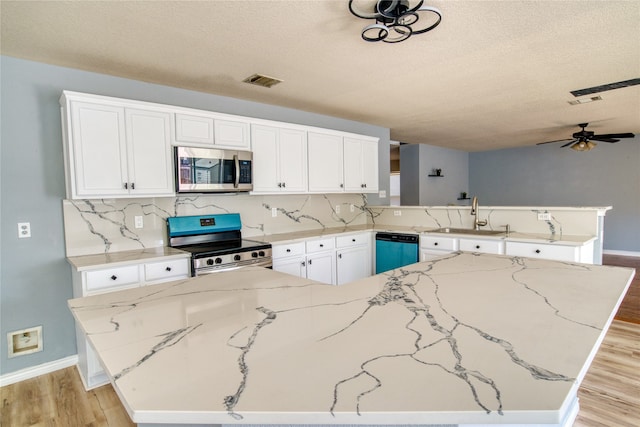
(395, 250)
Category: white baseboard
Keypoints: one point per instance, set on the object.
(36, 371)
(621, 253)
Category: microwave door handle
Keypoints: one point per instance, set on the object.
(237, 167)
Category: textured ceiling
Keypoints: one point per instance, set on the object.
(494, 74)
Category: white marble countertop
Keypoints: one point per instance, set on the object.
(89, 262)
(512, 236)
(464, 339)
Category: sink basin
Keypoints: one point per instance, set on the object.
(467, 231)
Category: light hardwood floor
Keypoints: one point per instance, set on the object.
(609, 396)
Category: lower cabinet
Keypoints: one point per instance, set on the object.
(435, 246)
(330, 260)
(486, 246)
(109, 279)
(554, 251)
(353, 257)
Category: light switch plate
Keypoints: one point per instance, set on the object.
(337, 209)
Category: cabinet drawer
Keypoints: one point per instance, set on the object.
(436, 242)
(281, 251)
(166, 270)
(534, 250)
(352, 240)
(320, 245)
(484, 246)
(108, 279)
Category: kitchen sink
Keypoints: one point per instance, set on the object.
(471, 231)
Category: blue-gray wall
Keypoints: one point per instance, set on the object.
(417, 162)
(35, 280)
(547, 175)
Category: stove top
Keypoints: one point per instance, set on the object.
(226, 247)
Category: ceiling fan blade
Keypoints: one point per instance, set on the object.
(569, 143)
(600, 138)
(550, 142)
(614, 135)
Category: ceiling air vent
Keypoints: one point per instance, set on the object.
(260, 80)
(603, 88)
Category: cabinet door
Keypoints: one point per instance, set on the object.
(264, 140)
(231, 134)
(353, 165)
(292, 160)
(149, 153)
(370, 166)
(190, 128)
(99, 150)
(353, 264)
(295, 266)
(325, 163)
(321, 267)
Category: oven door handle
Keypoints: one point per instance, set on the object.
(237, 167)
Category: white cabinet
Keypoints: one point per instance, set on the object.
(289, 258)
(112, 150)
(210, 130)
(360, 165)
(104, 279)
(434, 246)
(314, 259)
(486, 246)
(353, 257)
(326, 173)
(279, 160)
(321, 260)
(554, 251)
(342, 164)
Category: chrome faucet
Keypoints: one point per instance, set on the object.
(474, 211)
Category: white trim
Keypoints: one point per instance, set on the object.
(621, 253)
(36, 371)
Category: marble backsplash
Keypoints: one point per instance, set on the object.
(104, 226)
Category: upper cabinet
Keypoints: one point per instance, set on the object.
(326, 173)
(360, 165)
(112, 150)
(342, 164)
(124, 148)
(210, 130)
(279, 159)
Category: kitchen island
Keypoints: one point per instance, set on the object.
(464, 339)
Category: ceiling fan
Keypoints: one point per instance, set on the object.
(583, 140)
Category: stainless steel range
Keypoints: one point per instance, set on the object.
(216, 243)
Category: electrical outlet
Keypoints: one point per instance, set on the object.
(544, 216)
(352, 208)
(24, 230)
(139, 221)
(382, 194)
(25, 341)
(397, 213)
(274, 212)
(337, 209)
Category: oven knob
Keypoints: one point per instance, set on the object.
(218, 260)
(254, 254)
(237, 257)
(209, 261)
(261, 253)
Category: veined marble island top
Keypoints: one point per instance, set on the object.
(464, 339)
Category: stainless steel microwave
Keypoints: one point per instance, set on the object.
(209, 170)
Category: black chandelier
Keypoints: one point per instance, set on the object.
(396, 20)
